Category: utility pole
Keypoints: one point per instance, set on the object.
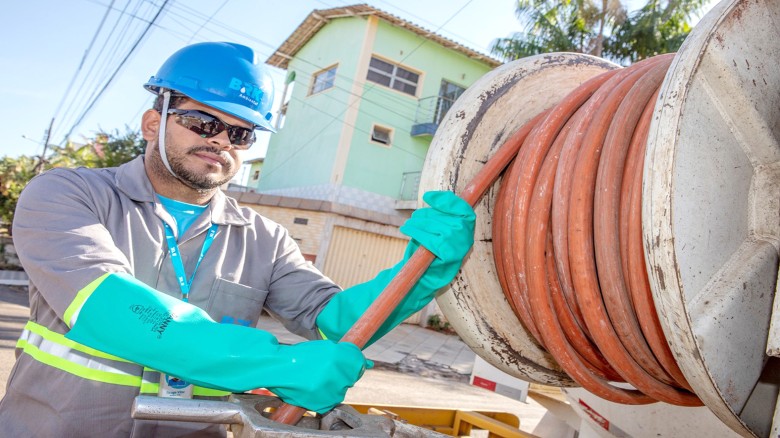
(39, 165)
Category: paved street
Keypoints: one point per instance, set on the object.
(14, 312)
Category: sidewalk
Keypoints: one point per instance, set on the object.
(408, 348)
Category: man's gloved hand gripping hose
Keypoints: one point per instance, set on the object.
(446, 229)
(126, 318)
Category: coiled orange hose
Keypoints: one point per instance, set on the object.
(567, 239)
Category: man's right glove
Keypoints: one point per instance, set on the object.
(446, 229)
(126, 318)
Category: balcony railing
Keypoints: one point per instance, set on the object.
(430, 112)
(410, 184)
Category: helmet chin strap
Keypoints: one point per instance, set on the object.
(161, 138)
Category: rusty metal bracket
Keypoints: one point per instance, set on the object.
(244, 413)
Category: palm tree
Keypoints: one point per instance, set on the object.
(598, 27)
(658, 27)
(606, 16)
(549, 26)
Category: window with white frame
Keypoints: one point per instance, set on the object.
(323, 79)
(393, 76)
(381, 135)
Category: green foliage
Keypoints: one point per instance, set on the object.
(435, 323)
(105, 150)
(659, 27)
(599, 28)
(115, 149)
(549, 26)
(14, 174)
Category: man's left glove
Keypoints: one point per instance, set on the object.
(446, 229)
(126, 318)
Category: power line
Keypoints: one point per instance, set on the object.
(78, 94)
(423, 20)
(102, 66)
(81, 64)
(174, 9)
(409, 103)
(207, 19)
(401, 130)
(98, 65)
(116, 71)
(399, 100)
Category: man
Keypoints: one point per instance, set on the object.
(147, 279)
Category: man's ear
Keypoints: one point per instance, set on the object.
(150, 125)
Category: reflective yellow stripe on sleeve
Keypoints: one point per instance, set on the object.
(53, 349)
(65, 342)
(78, 370)
(81, 297)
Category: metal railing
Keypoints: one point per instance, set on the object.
(430, 112)
(410, 184)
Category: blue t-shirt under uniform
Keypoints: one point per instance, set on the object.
(183, 213)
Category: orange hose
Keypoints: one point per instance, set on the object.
(573, 229)
(632, 251)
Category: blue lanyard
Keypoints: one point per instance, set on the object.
(178, 265)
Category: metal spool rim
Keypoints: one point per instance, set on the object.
(713, 277)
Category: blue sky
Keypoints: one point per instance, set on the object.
(43, 42)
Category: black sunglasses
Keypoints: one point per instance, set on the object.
(207, 126)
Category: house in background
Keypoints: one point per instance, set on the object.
(368, 92)
(364, 95)
(255, 167)
(248, 178)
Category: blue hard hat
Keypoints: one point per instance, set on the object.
(225, 76)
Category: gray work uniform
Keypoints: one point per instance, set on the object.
(71, 227)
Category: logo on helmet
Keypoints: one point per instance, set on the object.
(247, 91)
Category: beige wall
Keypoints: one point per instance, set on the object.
(315, 237)
(309, 236)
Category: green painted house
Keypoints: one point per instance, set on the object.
(255, 167)
(365, 93)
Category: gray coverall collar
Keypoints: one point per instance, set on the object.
(131, 179)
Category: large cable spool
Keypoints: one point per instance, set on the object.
(483, 118)
(710, 208)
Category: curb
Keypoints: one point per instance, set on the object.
(14, 278)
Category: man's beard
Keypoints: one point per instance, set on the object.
(201, 182)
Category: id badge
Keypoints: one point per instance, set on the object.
(174, 387)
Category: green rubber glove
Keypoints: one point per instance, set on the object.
(127, 318)
(446, 229)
